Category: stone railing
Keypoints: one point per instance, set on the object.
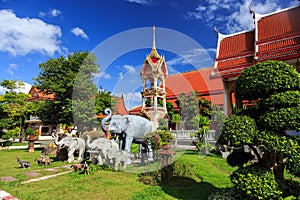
(189, 136)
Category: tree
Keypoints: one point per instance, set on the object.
(204, 124)
(103, 100)
(275, 85)
(63, 76)
(14, 108)
(189, 109)
(176, 119)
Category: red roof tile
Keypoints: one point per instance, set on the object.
(236, 45)
(197, 80)
(279, 24)
(120, 108)
(278, 39)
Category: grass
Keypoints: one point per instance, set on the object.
(211, 174)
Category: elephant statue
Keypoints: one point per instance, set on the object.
(118, 157)
(71, 144)
(134, 128)
(99, 149)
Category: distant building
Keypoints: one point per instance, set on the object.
(276, 36)
(34, 122)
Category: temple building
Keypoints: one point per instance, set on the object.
(276, 36)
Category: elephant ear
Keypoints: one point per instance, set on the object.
(125, 122)
(113, 154)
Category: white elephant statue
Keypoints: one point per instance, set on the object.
(118, 157)
(71, 144)
(134, 128)
(99, 149)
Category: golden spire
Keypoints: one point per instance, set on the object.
(153, 51)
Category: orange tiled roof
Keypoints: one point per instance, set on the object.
(210, 89)
(276, 36)
(191, 81)
(236, 45)
(279, 24)
(38, 95)
(120, 108)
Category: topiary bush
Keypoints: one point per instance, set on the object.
(256, 182)
(265, 78)
(238, 130)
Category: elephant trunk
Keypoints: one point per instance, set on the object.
(108, 112)
(56, 142)
(87, 142)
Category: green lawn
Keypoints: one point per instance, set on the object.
(211, 173)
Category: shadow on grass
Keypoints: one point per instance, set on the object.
(187, 188)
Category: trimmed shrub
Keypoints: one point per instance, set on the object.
(239, 130)
(256, 182)
(265, 78)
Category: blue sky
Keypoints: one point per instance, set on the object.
(33, 31)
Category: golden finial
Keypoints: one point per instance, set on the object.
(153, 51)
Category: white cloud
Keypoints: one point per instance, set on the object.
(79, 32)
(20, 88)
(198, 57)
(131, 99)
(142, 2)
(2, 90)
(50, 13)
(130, 68)
(102, 75)
(12, 67)
(55, 12)
(233, 15)
(24, 88)
(21, 36)
(294, 3)
(121, 76)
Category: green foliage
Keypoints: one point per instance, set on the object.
(183, 169)
(164, 136)
(14, 108)
(205, 107)
(189, 109)
(265, 78)
(103, 100)
(281, 120)
(29, 131)
(256, 182)
(238, 130)
(59, 76)
(280, 100)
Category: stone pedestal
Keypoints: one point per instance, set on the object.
(31, 143)
(166, 163)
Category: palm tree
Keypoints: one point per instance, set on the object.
(204, 124)
(176, 119)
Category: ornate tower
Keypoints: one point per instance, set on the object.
(154, 73)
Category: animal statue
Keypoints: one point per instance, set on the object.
(118, 157)
(71, 144)
(76, 167)
(43, 160)
(99, 148)
(24, 164)
(134, 128)
(86, 168)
